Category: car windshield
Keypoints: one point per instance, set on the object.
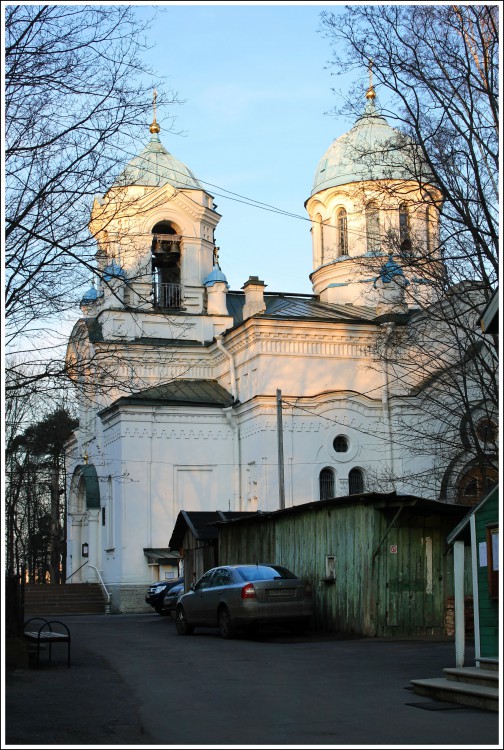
(263, 572)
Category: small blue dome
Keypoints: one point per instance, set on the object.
(215, 276)
(113, 271)
(389, 270)
(90, 296)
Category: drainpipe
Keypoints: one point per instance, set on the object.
(232, 420)
(232, 371)
(389, 327)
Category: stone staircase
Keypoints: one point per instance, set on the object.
(65, 599)
(470, 686)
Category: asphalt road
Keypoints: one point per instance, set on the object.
(134, 681)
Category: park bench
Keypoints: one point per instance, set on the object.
(45, 634)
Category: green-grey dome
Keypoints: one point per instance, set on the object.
(371, 150)
(155, 166)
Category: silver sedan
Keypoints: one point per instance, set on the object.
(231, 597)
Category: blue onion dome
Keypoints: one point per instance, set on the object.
(215, 276)
(371, 150)
(390, 270)
(90, 296)
(155, 166)
(113, 271)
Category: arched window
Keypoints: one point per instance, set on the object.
(340, 444)
(166, 265)
(320, 227)
(373, 228)
(341, 224)
(355, 482)
(428, 242)
(475, 485)
(326, 483)
(404, 230)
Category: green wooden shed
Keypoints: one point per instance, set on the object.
(378, 563)
(478, 534)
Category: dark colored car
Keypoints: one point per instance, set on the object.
(171, 597)
(157, 592)
(231, 597)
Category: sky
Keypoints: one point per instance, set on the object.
(256, 88)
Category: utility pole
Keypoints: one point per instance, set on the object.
(281, 482)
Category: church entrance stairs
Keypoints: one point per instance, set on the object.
(65, 599)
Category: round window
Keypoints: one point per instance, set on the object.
(340, 444)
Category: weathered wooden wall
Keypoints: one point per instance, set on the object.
(398, 588)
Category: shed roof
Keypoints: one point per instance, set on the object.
(381, 501)
(201, 524)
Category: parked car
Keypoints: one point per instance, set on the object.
(231, 597)
(171, 597)
(157, 591)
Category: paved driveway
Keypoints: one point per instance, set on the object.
(133, 681)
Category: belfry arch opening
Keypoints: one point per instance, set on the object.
(166, 253)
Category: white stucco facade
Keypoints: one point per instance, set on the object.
(179, 393)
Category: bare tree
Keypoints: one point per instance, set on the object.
(435, 68)
(76, 99)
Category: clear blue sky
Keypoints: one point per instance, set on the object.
(256, 91)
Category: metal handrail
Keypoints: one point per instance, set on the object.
(76, 571)
(102, 584)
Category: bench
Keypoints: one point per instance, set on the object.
(46, 634)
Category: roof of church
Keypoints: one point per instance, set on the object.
(180, 393)
(300, 307)
(155, 166)
(370, 150)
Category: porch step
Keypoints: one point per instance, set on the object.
(469, 686)
(65, 599)
(473, 675)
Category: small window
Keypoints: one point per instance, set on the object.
(404, 230)
(326, 484)
(486, 430)
(341, 223)
(373, 228)
(340, 444)
(355, 482)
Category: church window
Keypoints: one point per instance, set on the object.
(167, 290)
(340, 444)
(326, 483)
(341, 222)
(475, 484)
(404, 230)
(428, 229)
(373, 228)
(486, 430)
(355, 482)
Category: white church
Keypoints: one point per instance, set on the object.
(196, 397)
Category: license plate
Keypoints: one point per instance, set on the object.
(280, 593)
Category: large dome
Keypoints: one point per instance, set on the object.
(155, 166)
(371, 150)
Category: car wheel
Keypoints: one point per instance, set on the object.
(226, 627)
(159, 609)
(183, 627)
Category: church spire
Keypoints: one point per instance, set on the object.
(370, 93)
(154, 128)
